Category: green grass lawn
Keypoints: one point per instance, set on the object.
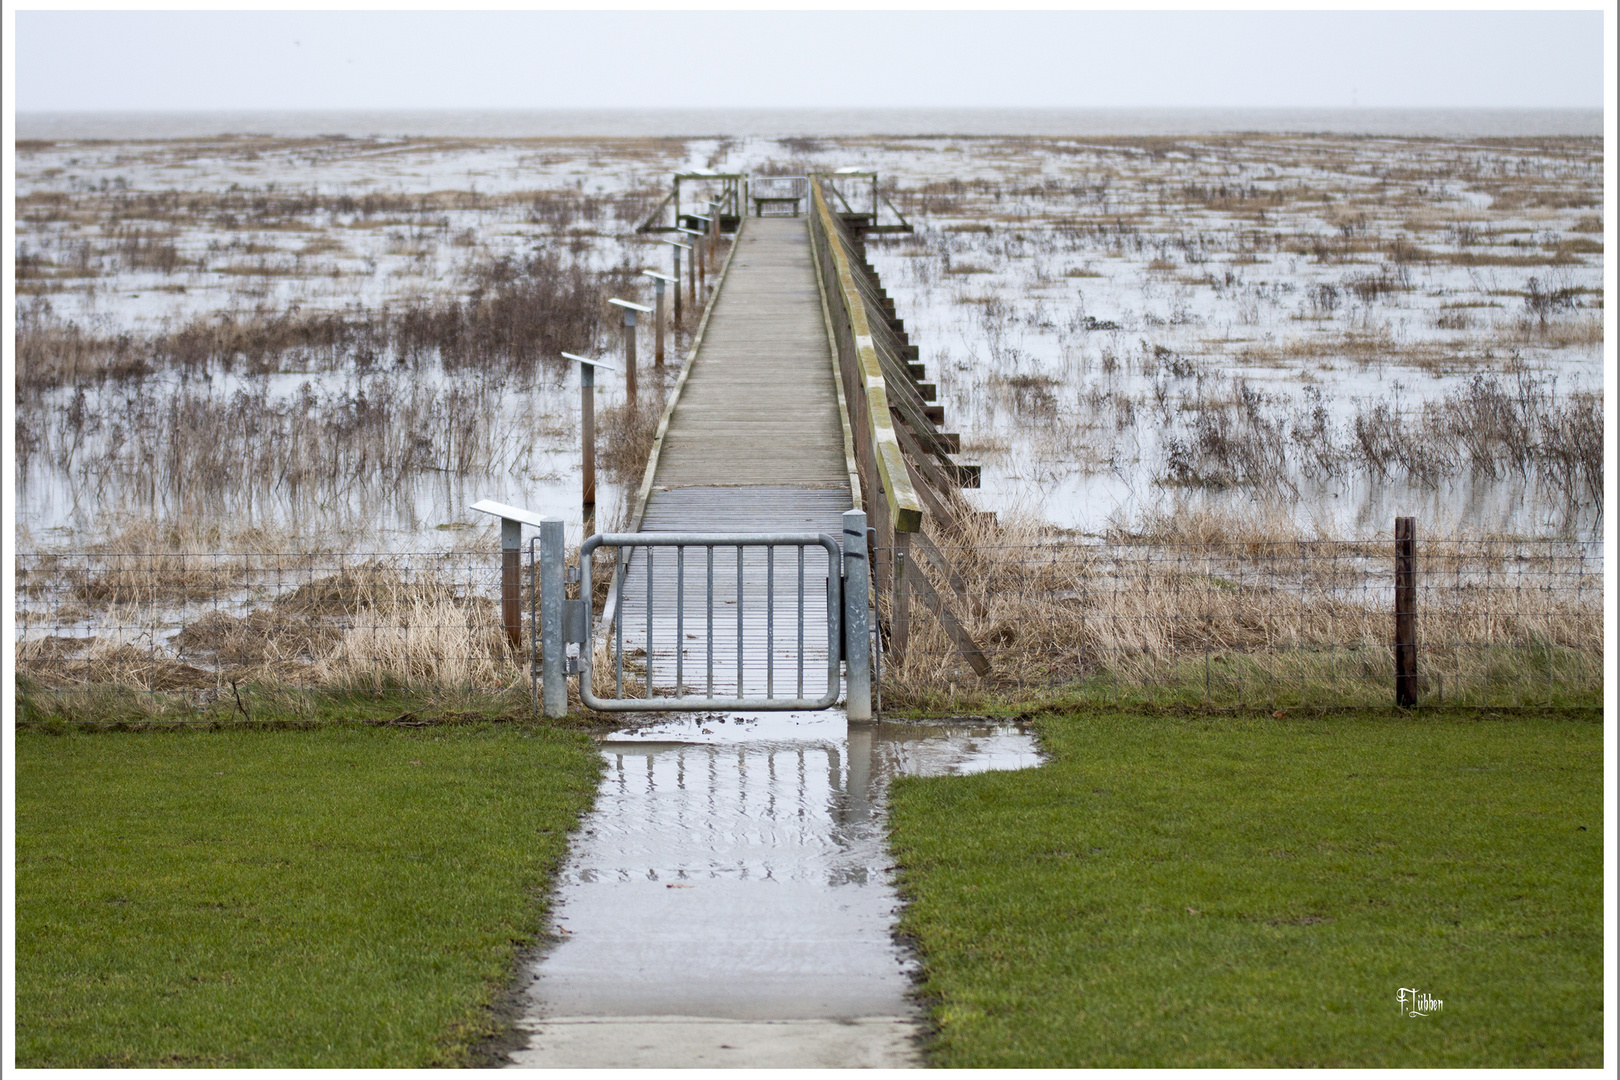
(348, 896)
(1175, 891)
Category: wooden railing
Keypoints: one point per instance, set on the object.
(877, 448)
(899, 450)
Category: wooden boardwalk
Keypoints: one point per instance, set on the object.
(759, 408)
(754, 443)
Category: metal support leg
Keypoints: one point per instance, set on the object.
(857, 588)
(553, 677)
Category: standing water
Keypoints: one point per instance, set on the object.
(729, 901)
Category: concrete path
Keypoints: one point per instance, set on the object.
(728, 901)
(650, 1042)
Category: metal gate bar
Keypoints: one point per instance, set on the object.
(642, 572)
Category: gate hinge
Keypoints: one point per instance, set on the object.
(571, 575)
(574, 618)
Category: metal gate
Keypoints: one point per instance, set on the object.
(706, 621)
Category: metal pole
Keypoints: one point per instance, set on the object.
(857, 648)
(512, 581)
(1405, 612)
(658, 321)
(553, 673)
(587, 445)
(630, 356)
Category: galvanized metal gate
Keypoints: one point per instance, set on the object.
(705, 621)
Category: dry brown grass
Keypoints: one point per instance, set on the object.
(381, 624)
(1202, 608)
(625, 434)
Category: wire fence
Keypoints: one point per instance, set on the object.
(1276, 625)
(1254, 624)
(169, 634)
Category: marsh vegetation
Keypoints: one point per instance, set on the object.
(353, 331)
(321, 346)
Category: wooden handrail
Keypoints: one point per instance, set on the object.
(905, 508)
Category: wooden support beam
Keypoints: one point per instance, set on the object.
(942, 566)
(900, 607)
(965, 645)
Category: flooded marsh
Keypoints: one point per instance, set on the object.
(362, 334)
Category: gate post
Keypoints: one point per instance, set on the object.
(857, 647)
(553, 673)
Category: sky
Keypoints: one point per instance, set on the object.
(300, 60)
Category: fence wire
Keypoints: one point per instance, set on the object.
(1511, 623)
(1258, 624)
(189, 631)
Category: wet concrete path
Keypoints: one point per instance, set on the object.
(729, 900)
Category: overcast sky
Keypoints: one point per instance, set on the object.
(100, 60)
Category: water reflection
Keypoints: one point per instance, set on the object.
(737, 867)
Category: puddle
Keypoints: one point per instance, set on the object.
(736, 867)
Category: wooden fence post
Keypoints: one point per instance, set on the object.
(1405, 612)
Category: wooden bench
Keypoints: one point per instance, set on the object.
(761, 201)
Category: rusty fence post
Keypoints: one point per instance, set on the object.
(1406, 612)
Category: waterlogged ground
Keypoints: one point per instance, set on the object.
(1343, 329)
(358, 337)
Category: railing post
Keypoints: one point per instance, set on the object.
(630, 356)
(512, 521)
(587, 446)
(553, 672)
(714, 232)
(659, 281)
(658, 322)
(677, 250)
(857, 600)
(587, 436)
(676, 247)
(630, 310)
(1405, 612)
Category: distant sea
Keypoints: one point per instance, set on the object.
(781, 123)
